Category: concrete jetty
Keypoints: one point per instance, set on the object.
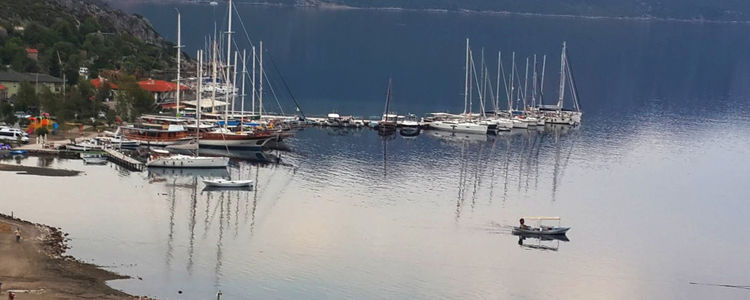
(124, 160)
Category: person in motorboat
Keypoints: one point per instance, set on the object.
(523, 226)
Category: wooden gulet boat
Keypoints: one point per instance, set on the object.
(186, 161)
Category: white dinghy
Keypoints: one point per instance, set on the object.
(225, 183)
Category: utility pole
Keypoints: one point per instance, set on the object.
(62, 70)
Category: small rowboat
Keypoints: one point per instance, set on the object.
(223, 183)
(94, 160)
(540, 229)
(544, 230)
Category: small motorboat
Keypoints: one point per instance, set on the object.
(17, 152)
(94, 160)
(540, 229)
(225, 183)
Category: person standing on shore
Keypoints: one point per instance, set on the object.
(18, 235)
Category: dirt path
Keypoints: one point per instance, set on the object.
(37, 269)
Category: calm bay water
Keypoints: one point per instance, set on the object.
(654, 183)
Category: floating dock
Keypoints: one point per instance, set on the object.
(124, 160)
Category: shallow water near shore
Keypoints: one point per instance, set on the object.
(654, 183)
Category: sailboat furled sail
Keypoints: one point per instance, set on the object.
(558, 114)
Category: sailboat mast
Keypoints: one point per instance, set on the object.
(473, 75)
(252, 94)
(198, 93)
(505, 81)
(525, 83)
(234, 83)
(471, 87)
(260, 88)
(497, 95)
(466, 80)
(533, 85)
(562, 79)
(179, 52)
(571, 81)
(229, 86)
(483, 98)
(213, 74)
(387, 100)
(244, 74)
(541, 88)
(512, 83)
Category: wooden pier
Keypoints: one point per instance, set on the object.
(124, 160)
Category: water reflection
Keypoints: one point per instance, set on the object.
(45, 161)
(541, 242)
(513, 161)
(187, 173)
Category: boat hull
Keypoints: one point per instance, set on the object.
(220, 183)
(520, 124)
(189, 162)
(95, 160)
(409, 131)
(537, 231)
(220, 140)
(459, 127)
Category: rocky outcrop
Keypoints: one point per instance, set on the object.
(112, 20)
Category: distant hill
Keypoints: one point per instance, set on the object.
(697, 10)
(716, 10)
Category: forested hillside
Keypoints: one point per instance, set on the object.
(69, 34)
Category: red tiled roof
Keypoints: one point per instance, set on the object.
(96, 82)
(2, 87)
(160, 86)
(31, 50)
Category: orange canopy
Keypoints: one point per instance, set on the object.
(98, 81)
(160, 86)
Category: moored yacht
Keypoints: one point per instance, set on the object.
(409, 126)
(188, 161)
(459, 126)
(160, 136)
(222, 137)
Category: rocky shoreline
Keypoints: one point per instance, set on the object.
(37, 267)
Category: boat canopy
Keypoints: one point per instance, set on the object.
(205, 103)
(542, 218)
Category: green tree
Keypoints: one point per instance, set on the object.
(26, 99)
(51, 103)
(89, 25)
(7, 113)
(132, 100)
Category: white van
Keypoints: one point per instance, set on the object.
(8, 134)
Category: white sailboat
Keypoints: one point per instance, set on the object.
(223, 138)
(188, 161)
(558, 114)
(462, 125)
